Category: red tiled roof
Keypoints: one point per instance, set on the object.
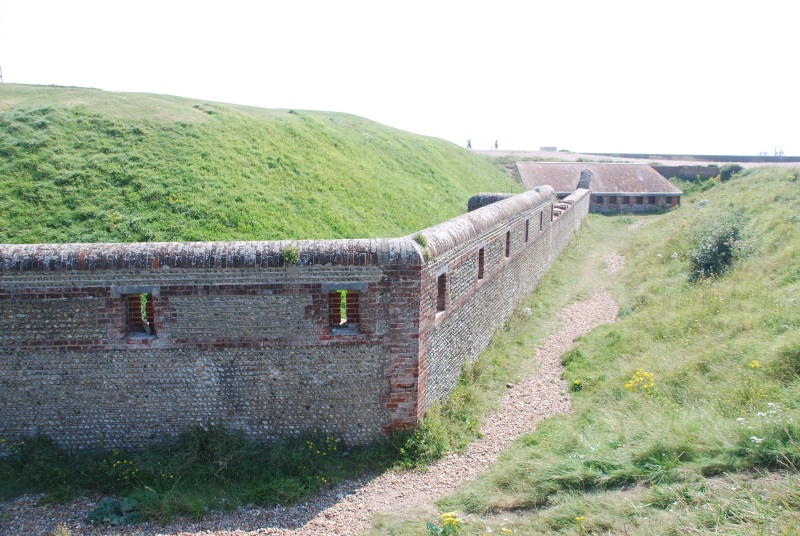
(637, 179)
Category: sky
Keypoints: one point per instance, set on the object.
(700, 77)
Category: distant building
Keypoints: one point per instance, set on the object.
(548, 149)
(615, 187)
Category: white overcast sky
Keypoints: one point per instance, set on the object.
(672, 77)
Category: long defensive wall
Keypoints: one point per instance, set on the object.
(131, 342)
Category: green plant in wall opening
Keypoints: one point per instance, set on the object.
(343, 305)
(143, 304)
(291, 255)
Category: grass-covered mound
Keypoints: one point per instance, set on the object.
(82, 165)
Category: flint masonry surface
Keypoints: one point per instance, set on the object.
(242, 333)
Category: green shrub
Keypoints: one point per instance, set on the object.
(728, 171)
(718, 247)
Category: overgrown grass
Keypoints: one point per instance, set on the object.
(689, 453)
(202, 469)
(79, 165)
(737, 505)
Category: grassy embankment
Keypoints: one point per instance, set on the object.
(81, 165)
(687, 410)
(86, 165)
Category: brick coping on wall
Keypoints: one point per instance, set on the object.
(257, 254)
(189, 255)
(445, 236)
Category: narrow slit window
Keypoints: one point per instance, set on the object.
(481, 262)
(527, 229)
(343, 309)
(508, 243)
(541, 221)
(441, 292)
(140, 313)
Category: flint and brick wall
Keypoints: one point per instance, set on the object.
(242, 338)
(615, 203)
(475, 307)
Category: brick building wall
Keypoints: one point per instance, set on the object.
(616, 203)
(129, 342)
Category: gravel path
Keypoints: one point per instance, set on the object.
(614, 262)
(348, 509)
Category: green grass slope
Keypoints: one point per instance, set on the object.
(686, 412)
(684, 404)
(83, 165)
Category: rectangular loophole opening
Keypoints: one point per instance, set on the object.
(527, 229)
(343, 310)
(441, 292)
(541, 221)
(508, 243)
(140, 315)
(481, 262)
